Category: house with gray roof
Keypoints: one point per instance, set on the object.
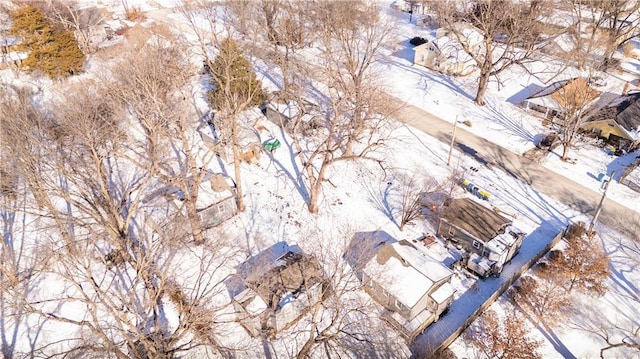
(490, 238)
(618, 121)
(274, 289)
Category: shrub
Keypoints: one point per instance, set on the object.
(52, 49)
(234, 80)
(467, 123)
(418, 41)
(134, 14)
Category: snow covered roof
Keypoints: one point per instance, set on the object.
(406, 272)
(448, 45)
(556, 95)
(283, 111)
(9, 41)
(14, 56)
(421, 261)
(213, 189)
(443, 293)
(276, 278)
(504, 240)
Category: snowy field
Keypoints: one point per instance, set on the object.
(362, 197)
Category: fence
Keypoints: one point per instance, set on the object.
(435, 351)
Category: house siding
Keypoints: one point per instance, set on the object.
(605, 129)
(420, 306)
(445, 229)
(377, 292)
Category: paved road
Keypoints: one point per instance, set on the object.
(543, 180)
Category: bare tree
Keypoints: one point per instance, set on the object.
(352, 36)
(153, 86)
(19, 264)
(508, 337)
(509, 30)
(619, 334)
(346, 320)
(583, 264)
(112, 241)
(85, 22)
(235, 87)
(288, 27)
(412, 192)
(344, 121)
(236, 90)
(584, 31)
(545, 299)
(621, 23)
(575, 99)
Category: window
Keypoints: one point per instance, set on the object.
(399, 305)
(452, 231)
(476, 244)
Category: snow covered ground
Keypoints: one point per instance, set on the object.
(364, 198)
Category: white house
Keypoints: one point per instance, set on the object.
(445, 53)
(413, 286)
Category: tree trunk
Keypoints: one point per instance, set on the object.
(194, 220)
(573, 282)
(308, 345)
(316, 185)
(565, 151)
(314, 194)
(608, 56)
(483, 82)
(238, 176)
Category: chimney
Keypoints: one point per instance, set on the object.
(625, 89)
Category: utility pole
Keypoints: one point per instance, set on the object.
(453, 138)
(599, 209)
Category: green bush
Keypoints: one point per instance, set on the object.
(233, 78)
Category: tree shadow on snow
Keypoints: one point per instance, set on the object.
(548, 333)
(427, 77)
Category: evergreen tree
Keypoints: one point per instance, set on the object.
(52, 49)
(233, 78)
(235, 90)
(29, 24)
